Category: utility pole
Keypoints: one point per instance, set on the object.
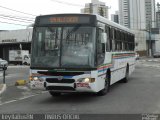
(150, 42)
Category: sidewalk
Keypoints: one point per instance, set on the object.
(149, 59)
(2, 88)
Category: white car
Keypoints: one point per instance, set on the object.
(3, 63)
(156, 55)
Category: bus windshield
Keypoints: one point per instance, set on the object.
(66, 47)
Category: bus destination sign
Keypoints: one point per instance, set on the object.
(65, 19)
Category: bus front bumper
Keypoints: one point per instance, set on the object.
(73, 87)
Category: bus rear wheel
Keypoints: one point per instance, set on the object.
(125, 80)
(55, 94)
(106, 87)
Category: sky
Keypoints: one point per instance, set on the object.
(41, 7)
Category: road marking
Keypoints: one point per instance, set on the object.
(24, 88)
(27, 97)
(22, 98)
(11, 101)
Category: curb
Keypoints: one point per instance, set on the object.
(3, 88)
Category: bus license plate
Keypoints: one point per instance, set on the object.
(82, 85)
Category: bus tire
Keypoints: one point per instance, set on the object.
(125, 80)
(55, 94)
(107, 86)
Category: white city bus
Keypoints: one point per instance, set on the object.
(80, 53)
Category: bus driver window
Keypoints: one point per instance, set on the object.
(100, 47)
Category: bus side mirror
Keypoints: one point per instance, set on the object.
(103, 37)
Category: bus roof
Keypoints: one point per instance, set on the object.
(113, 24)
(98, 17)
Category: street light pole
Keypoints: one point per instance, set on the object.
(4, 73)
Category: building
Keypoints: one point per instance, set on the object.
(124, 13)
(115, 17)
(14, 40)
(158, 16)
(96, 7)
(157, 36)
(141, 44)
(139, 15)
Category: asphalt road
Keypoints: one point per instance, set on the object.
(140, 95)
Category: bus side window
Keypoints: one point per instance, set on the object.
(100, 48)
(109, 39)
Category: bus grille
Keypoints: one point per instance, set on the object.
(60, 88)
(55, 80)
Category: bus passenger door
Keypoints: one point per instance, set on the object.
(100, 57)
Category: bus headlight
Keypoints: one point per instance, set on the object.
(86, 80)
(33, 78)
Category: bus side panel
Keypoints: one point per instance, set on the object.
(99, 80)
(118, 71)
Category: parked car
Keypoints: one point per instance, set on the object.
(3, 63)
(156, 54)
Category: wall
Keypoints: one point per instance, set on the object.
(157, 43)
(13, 36)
